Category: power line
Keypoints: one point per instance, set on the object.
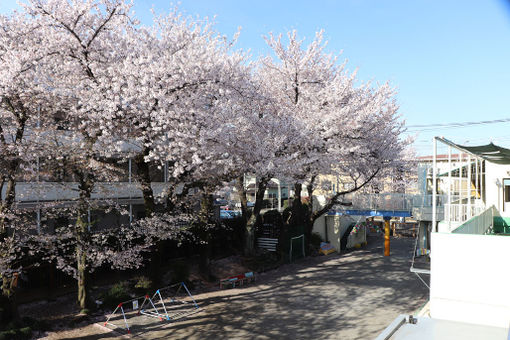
(427, 127)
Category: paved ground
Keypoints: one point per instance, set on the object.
(349, 296)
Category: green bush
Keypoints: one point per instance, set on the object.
(143, 285)
(85, 311)
(115, 295)
(8, 335)
(36, 325)
(24, 333)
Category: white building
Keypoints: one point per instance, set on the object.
(469, 272)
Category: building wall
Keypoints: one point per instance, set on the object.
(495, 173)
(51, 191)
(336, 226)
(470, 279)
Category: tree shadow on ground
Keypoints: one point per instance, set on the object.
(349, 296)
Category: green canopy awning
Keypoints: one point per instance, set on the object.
(489, 152)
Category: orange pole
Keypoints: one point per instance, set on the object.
(386, 238)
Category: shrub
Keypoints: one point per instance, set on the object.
(85, 311)
(24, 333)
(8, 335)
(142, 285)
(116, 294)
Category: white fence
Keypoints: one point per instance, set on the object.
(390, 201)
(462, 212)
(397, 201)
(55, 191)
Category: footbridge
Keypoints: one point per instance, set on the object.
(387, 205)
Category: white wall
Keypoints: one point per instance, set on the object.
(470, 278)
(336, 226)
(50, 191)
(494, 193)
(318, 226)
(358, 238)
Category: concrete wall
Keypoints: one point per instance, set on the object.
(358, 238)
(336, 226)
(470, 278)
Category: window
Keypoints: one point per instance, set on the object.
(506, 190)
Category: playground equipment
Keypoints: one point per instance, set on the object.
(237, 280)
(326, 248)
(180, 304)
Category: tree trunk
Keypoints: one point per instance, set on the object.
(206, 206)
(10, 196)
(83, 296)
(309, 220)
(296, 217)
(241, 193)
(144, 179)
(250, 222)
(255, 218)
(82, 239)
(8, 298)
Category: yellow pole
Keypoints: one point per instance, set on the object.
(386, 237)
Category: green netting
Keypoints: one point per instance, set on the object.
(490, 152)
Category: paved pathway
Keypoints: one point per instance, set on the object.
(349, 296)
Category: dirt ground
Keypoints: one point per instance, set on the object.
(349, 296)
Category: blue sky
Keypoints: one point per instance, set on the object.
(450, 60)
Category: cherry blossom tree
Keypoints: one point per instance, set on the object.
(23, 104)
(354, 130)
(168, 91)
(260, 134)
(82, 37)
(93, 88)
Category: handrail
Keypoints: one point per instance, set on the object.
(479, 224)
